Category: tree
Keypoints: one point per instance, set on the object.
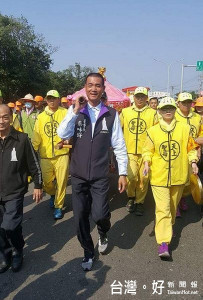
(69, 80)
(25, 59)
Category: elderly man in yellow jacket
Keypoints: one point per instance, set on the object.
(54, 163)
(135, 120)
(186, 115)
(168, 151)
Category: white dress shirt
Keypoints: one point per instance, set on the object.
(67, 127)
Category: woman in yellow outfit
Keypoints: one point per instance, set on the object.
(135, 120)
(166, 152)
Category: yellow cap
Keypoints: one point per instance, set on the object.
(167, 101)
(52, 93)
(184, 97)
(141, 90)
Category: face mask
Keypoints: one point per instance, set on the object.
(28, 105)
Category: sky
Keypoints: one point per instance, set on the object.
(137, 41)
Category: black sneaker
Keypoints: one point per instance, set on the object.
(139, 209)
(130, 205)
(17, 260)
(103, 244)
(87, 264)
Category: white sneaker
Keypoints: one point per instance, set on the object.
(87, 263)
(102, 244)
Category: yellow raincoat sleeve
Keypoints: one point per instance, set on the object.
(121, 119)
(192, 150)
(200, 134)
(148, 150)
(16, 123)
(36, 138)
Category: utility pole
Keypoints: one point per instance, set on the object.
(172, 89)
(182, 74)
(201, 82)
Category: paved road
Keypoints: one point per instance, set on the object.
(52, 259)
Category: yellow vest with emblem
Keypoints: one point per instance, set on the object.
(135, 123)
(193, 119)
(167, 151)
(45, 135)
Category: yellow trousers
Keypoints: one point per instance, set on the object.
(187, 189)
(166, 200)
(135, 178)
(55, 177)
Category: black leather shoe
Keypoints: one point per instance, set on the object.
(5, 262)
(17, 260)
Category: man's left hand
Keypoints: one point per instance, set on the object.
(122, 184)
(37, 195)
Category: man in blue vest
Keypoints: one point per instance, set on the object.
(94, 128)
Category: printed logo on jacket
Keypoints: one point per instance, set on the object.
(104, 126)
(193, 131)
(51, 128)
(137, 126)
(171, 152)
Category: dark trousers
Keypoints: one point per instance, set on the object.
(90, 197)
(11, 229)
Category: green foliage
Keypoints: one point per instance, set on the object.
(69, 80)
(24, 59)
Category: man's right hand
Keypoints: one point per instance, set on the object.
(79, 105)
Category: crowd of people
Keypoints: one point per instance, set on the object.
(156, 141)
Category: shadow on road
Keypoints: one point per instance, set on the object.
(45, 238)
(192, 215)
(66, 283)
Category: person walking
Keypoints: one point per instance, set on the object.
(167, 153)
(135, 120)
(186, 115)
(54, 162)
(17, 160)
(29, 115)
(94, 128)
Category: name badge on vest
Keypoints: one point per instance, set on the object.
(13, 155)
(81, 128)
(104, 126)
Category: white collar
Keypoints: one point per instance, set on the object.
(98, 107)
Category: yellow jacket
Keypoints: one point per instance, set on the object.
(135, 123)
(167, 150)
(193, 119)
(16, 123)
(45, 135)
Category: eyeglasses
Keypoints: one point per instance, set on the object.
(167, 108)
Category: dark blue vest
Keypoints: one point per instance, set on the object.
(90, 155)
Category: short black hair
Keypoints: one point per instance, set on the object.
(154, 98)
(95, 75)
